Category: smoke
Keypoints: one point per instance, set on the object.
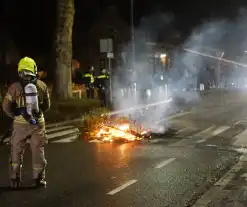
(149, 81)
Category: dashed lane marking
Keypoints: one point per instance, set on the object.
(125, 185)
(164, 163)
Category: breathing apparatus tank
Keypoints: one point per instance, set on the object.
(32, 102)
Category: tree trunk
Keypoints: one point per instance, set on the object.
(62, 89)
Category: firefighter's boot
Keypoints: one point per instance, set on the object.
(40, 182)
(15, 183)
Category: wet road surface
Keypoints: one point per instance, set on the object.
(168, 171)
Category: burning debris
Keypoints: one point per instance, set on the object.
(119, 132)
(112, 128)
(105, 127)
(126, 133)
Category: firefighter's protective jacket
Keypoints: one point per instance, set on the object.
(15, 96)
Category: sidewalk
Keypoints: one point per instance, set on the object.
(235, 193)
(230, 190)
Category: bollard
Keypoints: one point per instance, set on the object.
(122, 92)
(201, 87)
(134, 91)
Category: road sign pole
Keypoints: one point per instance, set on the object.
(110, 79)
(110, 55)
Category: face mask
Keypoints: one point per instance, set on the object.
(26, 79)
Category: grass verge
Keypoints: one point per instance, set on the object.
(60, 111)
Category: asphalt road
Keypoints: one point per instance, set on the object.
(173, 170)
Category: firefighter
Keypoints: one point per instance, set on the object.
(88, 80)
(102, 82)
(28, 121)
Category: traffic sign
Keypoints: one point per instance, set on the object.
(110, 55)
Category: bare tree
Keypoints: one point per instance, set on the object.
(62, 89)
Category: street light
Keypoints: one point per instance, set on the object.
(163, 58)
(162, 55)
(132, 33)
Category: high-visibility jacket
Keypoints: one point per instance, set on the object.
(103, 76)
(88, 78)
(102, 80)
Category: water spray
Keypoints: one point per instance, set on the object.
(141, 107)
(216, 58)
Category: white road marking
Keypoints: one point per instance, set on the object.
(63, 140)
(164, 163)
(241, 122)
(211, 145)
(220, 130)
(125, 185)
(241, 150)
(241, 140)
(201, 141)
(183, 130)
(66, 140)
(58, 128)
(219, 186)
(180, 142)
(62, 133)
(204, 132)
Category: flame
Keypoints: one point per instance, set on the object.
(109, 133)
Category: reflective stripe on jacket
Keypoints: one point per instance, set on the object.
(89, 75)
(103, 77)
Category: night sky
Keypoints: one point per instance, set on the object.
(32, 22)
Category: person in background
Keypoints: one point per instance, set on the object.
(102, 83)
(88, 81)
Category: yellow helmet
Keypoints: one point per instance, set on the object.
(28, 65)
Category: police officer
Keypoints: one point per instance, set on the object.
(23, 127)
(102, 82)
(88, 80)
